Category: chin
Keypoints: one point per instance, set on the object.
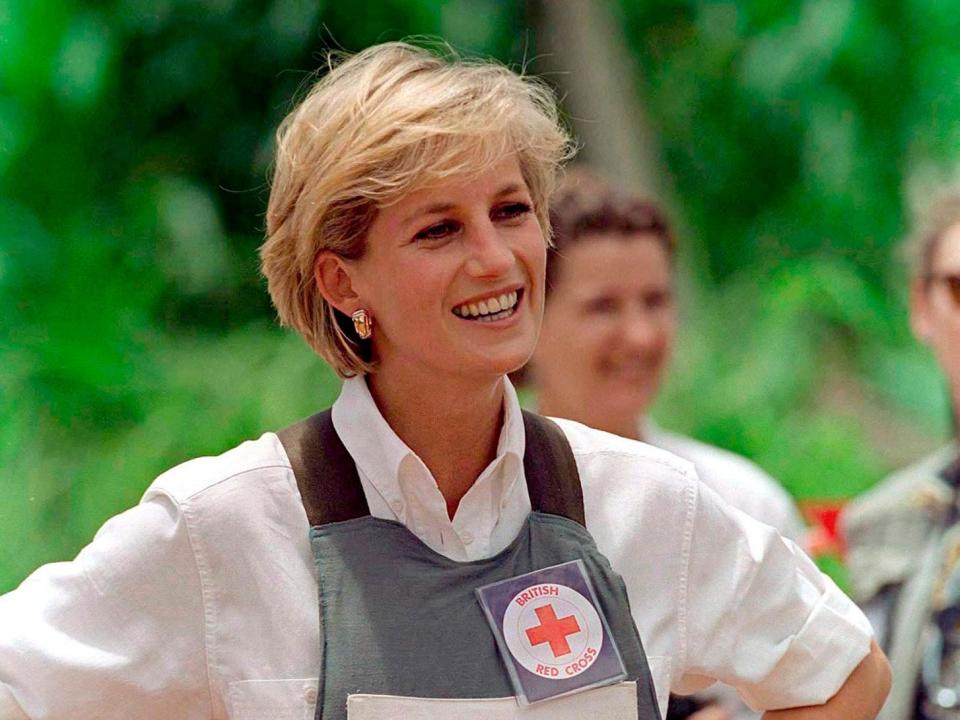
(507, 359)
(511, 364)
(624, 402)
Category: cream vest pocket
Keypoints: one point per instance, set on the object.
(660, 667)
(613, 702)
(272, 699)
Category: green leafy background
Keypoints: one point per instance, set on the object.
(135, 145)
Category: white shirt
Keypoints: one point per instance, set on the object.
(746, 487)
(734, 478)
(201, 602)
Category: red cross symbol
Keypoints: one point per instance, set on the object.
(553, 630)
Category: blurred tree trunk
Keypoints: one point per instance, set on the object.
(581, 48)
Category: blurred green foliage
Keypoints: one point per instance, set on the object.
(135, 145)
(789, 135)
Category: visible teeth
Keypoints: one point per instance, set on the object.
(490, 309)
(496, 316)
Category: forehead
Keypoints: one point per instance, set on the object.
(616, 259)
(474, 184)
(947, 258)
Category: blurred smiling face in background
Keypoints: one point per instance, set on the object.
(935, 307)
(608, 329)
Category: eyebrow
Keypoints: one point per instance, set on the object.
(442, 207)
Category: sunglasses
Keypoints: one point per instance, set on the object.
(951, 280)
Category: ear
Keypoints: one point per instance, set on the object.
(334, 278)
(921, 316)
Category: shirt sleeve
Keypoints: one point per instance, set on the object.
(789, 522)
(760, 616)
(116, 633)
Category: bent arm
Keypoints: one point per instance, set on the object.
(785, 636)
(859, 698)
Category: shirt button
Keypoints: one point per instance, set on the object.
(397, 506)
(466, 538)
(310, 695)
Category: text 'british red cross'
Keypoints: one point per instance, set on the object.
(553, 630)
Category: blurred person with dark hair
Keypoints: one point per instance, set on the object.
(611, 294)
(903, 536)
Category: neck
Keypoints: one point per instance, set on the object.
(452, 424)
(627, 425)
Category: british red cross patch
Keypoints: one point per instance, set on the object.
(551, 633)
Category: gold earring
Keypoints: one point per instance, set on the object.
(362, 323)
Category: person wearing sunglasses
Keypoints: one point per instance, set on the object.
(426, 549)
(903, 536)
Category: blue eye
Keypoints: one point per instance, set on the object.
(511, 211)
(439, 231)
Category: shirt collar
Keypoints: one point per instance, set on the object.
(378, 451)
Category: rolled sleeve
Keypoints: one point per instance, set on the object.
(762, 617)
(117, 632)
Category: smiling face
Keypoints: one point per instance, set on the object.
(453, 277)
(608, 331)
(935, 310)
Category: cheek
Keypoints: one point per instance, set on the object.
(579, 331)
(945, 337)
(663, 335)
(407, 294)
(946, 345)
(532, 252)
(667, 338)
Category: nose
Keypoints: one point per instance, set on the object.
(490, 253)
(640, 329)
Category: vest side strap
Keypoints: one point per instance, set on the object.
(325, 473)
(553, 480)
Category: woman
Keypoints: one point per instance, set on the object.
(625, 323)
(610, 285)
(406, 242)
(903, 536)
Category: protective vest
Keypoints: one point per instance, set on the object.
(401, 628)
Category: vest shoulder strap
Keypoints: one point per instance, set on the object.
(325, 473)
(553, 480)
(331, 491)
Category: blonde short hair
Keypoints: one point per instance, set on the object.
(380, 124)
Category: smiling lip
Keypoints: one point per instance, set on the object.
(491, 307)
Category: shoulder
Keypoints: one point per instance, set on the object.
(241, 515)
(911, 490)
(626, 482)
(240, 485)
(716, 461)
(596, 450)
(887, 526)
(736, 479)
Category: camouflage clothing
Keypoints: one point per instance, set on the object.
(903, 540)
